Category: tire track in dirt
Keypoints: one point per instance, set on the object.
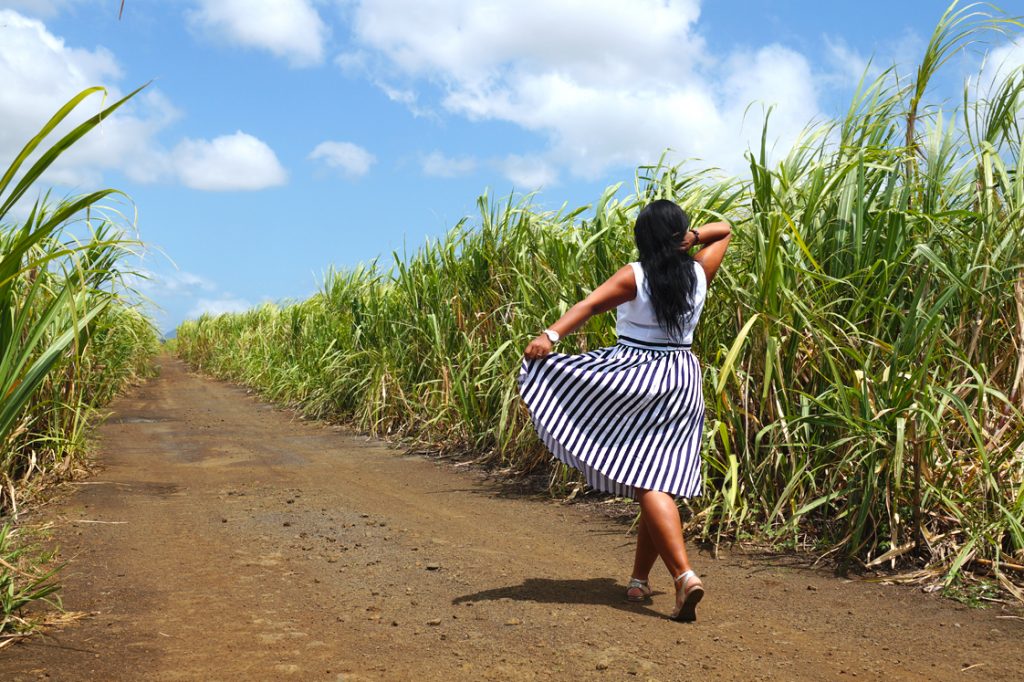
(240, 543)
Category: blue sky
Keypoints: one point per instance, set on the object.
(280, 137)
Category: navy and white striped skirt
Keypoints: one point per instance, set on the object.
(627, 417)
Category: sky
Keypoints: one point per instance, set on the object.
(278, 138)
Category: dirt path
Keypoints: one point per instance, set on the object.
(227, 540)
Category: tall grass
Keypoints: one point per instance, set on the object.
(69, 338)
(28, 576)
(864, 344)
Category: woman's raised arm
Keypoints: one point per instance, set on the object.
(715, 238)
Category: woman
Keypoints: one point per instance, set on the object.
(630, 416)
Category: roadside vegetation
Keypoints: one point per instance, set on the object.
(71, 338)
(863, 346)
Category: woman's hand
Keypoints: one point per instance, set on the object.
(539, 347)
(689, 239)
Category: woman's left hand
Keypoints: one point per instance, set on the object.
(688, 241)
(539, 347)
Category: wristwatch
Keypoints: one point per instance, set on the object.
(552, 335)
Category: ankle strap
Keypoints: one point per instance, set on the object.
(685, 575)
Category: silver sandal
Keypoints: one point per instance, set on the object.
(637, 584)
(692, 591)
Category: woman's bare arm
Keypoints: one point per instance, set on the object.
(615, 291)
(715, 237)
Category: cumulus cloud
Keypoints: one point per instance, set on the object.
(470, 39)
(219, 306)
(229, 162)
(844, 65)
(528, 172)
(186, 293)
(437, 165)
(40, 73)
(607, 83)
(291, 29)
(1003, 61)
(351, 159)
(772, 76)
(848, 64)
(175, 283)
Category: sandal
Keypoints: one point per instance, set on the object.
(688, 595)
(638, 590)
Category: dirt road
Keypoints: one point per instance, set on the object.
(224, 539)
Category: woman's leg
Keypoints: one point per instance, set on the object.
(646, 552)
(661, 515)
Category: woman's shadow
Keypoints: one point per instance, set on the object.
(600, 591)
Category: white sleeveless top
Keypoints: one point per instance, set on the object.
(636, 319)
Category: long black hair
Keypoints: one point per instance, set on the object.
(668, 269)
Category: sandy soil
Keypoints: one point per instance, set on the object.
(227, 540)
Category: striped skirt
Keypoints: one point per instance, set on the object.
(625, 416)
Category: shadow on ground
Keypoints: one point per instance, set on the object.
(599, 591)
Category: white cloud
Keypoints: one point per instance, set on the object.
(772, 76)
(409, 98)
(848, 64)
(179, 291)
(351, 159)
(607, 83)
(40, 73)
(229, 162)
(437, 165)
(1000, 64)
(469, 39)
(1002, 61)
(291, 29)
(528, 172)
(175, 283)
(352, 63)
(219, 306)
